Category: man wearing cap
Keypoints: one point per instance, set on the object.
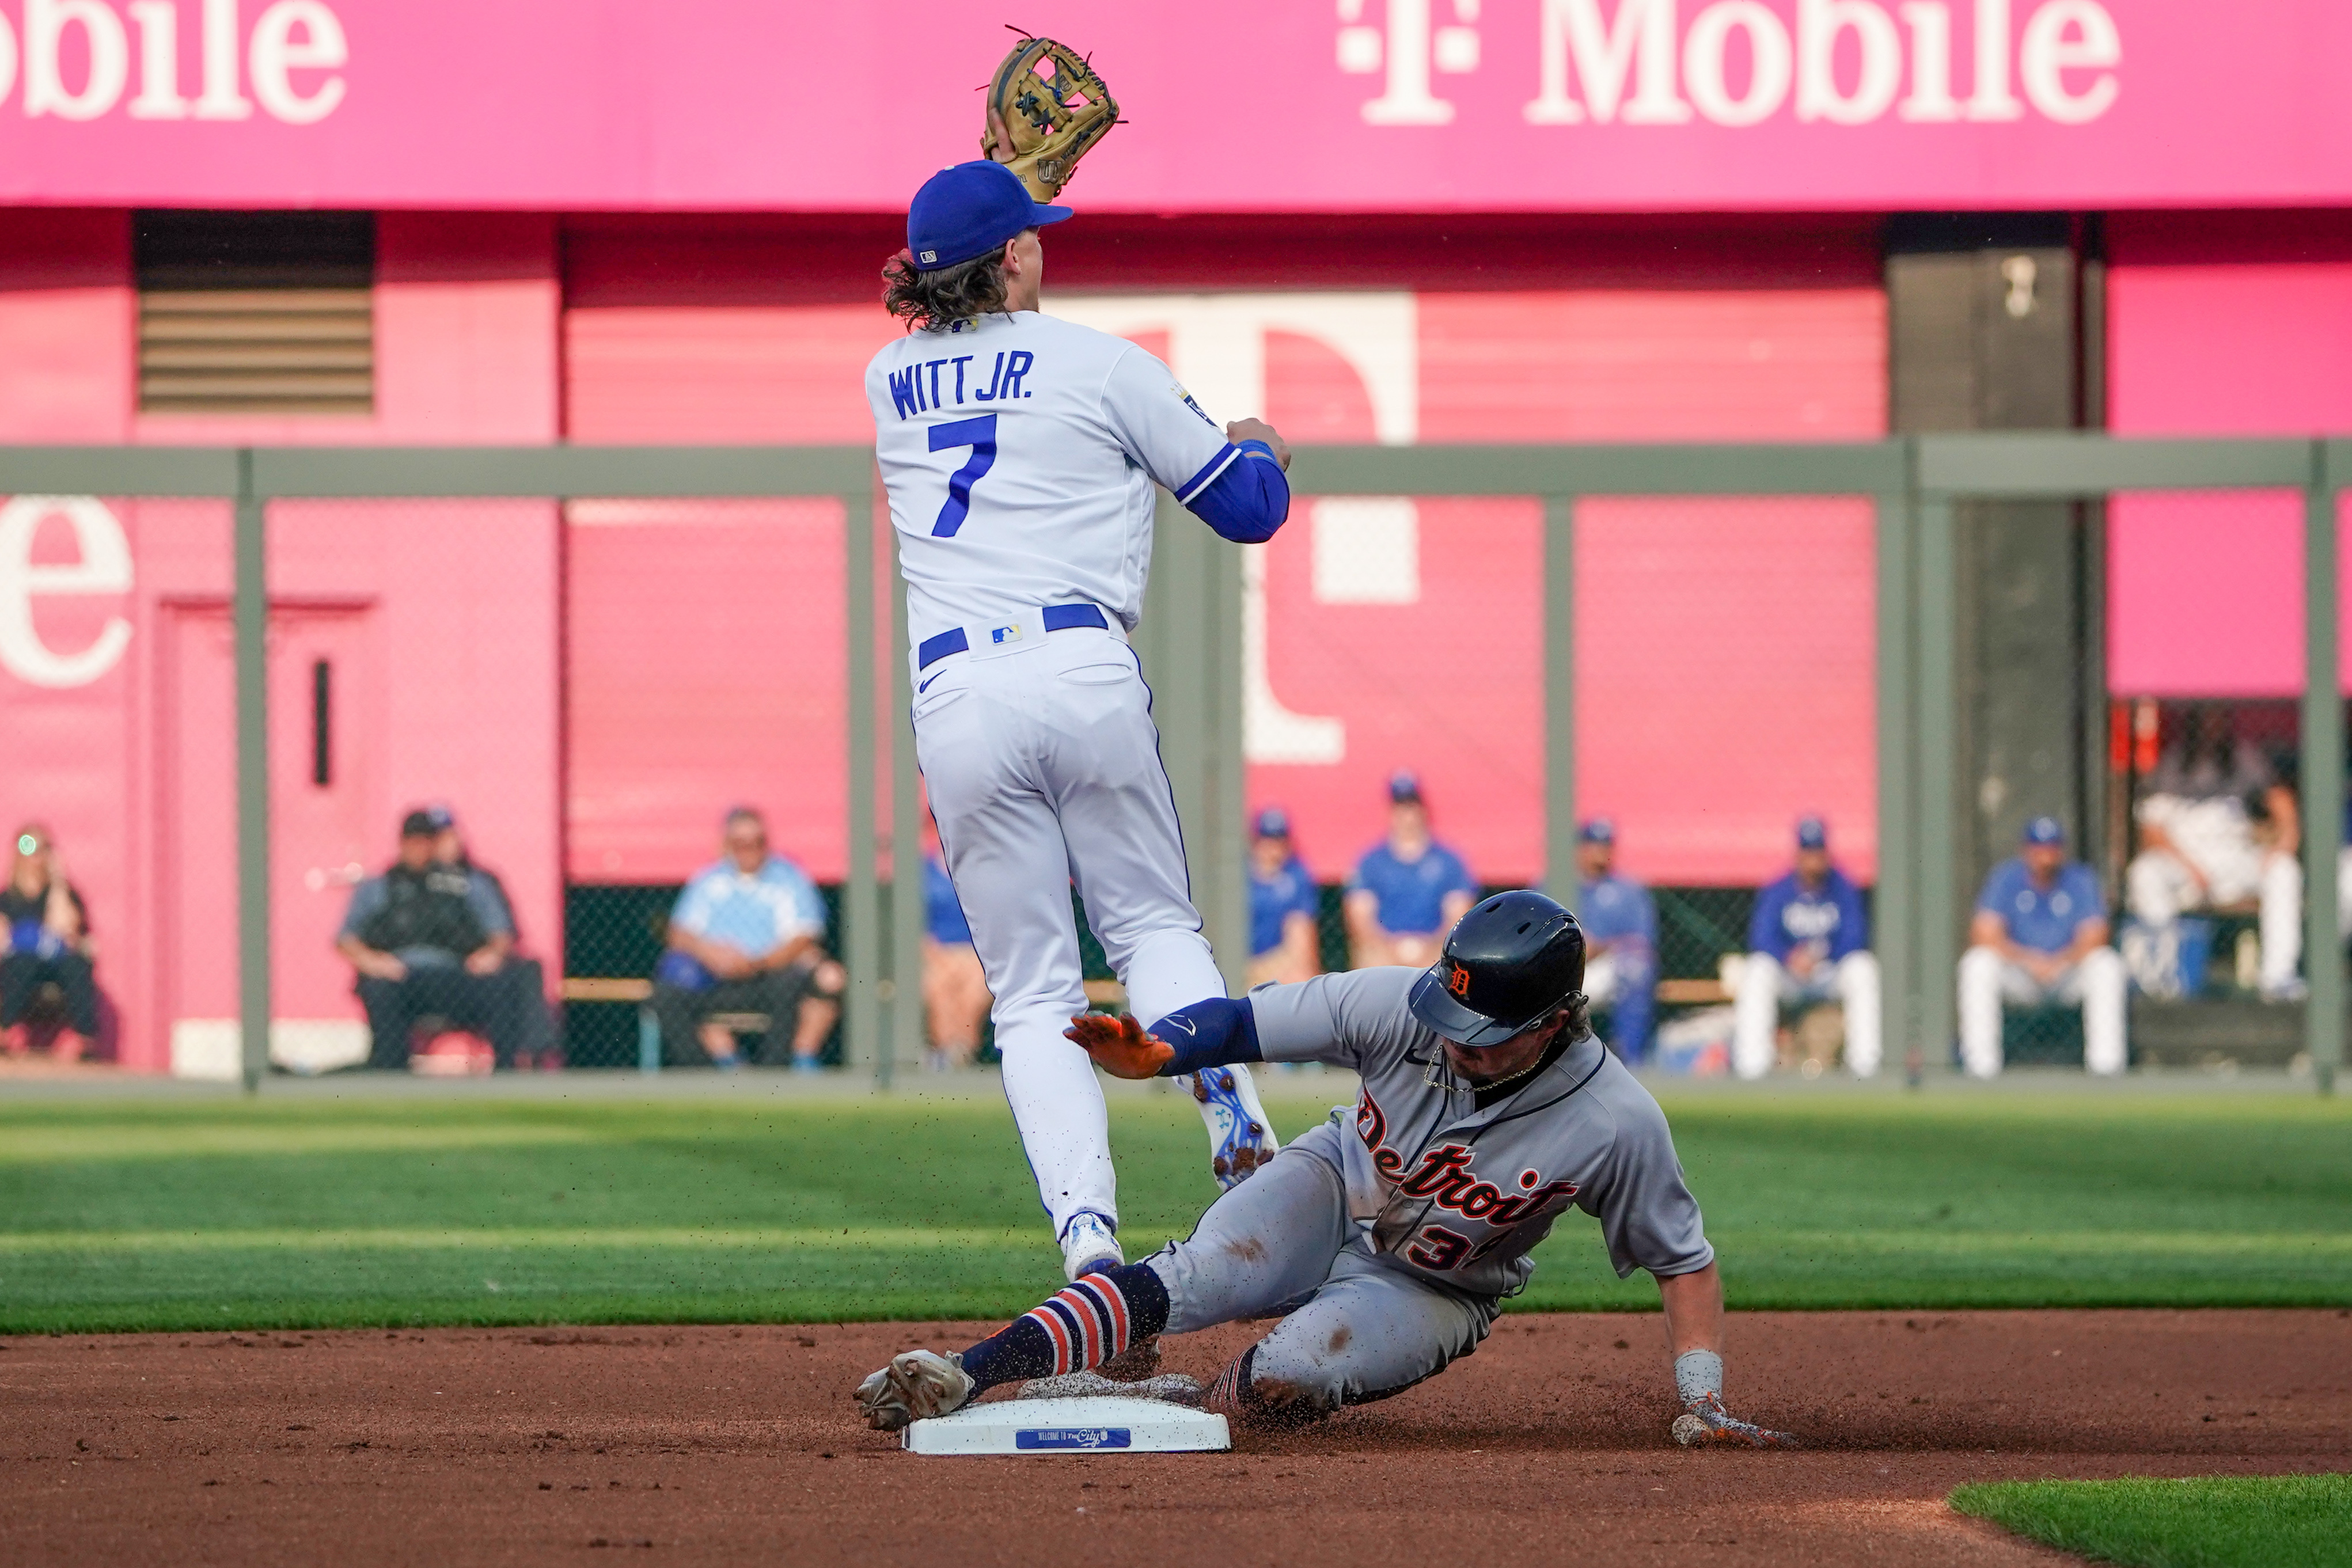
(1408, 890)
(428, 940)
(1808, 940)
(2041, 936)
(1621, 925)
(1023, 456)
(1283, 906)
(527, 977)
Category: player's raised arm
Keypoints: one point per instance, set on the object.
(1231, 479)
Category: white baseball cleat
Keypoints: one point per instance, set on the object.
(1089, 1246)
(915, 1386)
(1240, 1138)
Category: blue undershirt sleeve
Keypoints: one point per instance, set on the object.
(1249, 500)
(1217, 1032)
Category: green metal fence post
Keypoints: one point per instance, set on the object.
(1896, 915)
(906, 1035)
(1936, 715)
(251, 639)
(2323, 773)
(861, 1038)
(1559, 696)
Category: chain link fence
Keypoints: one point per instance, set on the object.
(556, 783)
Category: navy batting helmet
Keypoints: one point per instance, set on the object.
(1507, 964)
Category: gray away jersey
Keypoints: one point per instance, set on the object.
(1461, 1194)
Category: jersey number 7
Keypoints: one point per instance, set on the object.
(979, 434)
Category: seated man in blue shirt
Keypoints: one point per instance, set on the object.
(2041, 936)
(1284, 905)
(955, 989)
(1408, 890)
(1621, 937)
(1808, 939)
(743, 939)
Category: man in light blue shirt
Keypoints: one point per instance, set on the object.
(2040, 936)
(1408, 890)
(1621, 935)
(745, 937)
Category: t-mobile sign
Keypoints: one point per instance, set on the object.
(1232, 105)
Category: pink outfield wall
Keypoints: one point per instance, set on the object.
(1375, 105)
(2230, 326)
(442, 618)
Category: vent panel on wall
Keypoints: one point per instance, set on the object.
(257, 312)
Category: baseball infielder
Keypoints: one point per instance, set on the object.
(1020, 454)
(1389, 1239)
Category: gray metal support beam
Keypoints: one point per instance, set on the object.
(1896, 913)
(1559, 696)
(250, 612)
(862, 1042)
(1936, 679)
(2323, 775)
(906, 1037)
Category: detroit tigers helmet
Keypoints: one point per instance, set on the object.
(1506, 966)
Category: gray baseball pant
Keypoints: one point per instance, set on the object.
(1356, 1326)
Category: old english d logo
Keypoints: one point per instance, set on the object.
(1458, 982)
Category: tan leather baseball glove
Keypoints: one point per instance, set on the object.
(1046, 110)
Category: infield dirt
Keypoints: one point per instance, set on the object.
(723, 1444)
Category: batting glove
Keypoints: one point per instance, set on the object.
(1119, 1046)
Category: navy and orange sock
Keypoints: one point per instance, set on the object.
(1076, 1328)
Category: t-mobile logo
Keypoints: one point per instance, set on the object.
(1409, 48)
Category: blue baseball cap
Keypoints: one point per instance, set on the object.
(1812, 833)
(2045, 831)
(1404, 789)
(1597, 831)
(968, 210)
(1273, 823)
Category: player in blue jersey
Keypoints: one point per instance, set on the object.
(1621, 926)
(1808, 940)
(2041, 936)
(1408, 890)
(1284, 905)
(955, 988)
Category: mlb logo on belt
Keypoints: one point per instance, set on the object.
(1003, 634)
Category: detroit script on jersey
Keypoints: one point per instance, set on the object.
(1443, 1185)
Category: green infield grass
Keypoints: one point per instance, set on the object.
(2214, 1522)
(370, 1209)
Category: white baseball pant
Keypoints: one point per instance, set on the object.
(1355, 1326)
(2095, 985)
(1853, 982)
(2159, 889)
(1042, 767)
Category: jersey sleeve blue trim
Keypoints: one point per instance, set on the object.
(1217, 1032)
(1248, 500)
(1209, 471)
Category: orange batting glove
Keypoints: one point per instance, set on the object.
(1119, 1046)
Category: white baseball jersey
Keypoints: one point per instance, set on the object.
(1020, 453)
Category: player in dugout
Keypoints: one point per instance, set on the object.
(1386, 1242)
(1283, 903)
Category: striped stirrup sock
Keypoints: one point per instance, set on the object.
(1077, 1328)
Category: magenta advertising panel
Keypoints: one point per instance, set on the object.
(1233, 105)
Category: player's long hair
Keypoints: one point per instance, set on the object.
(934, 301)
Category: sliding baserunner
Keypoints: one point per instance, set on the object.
(1487, 1110)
